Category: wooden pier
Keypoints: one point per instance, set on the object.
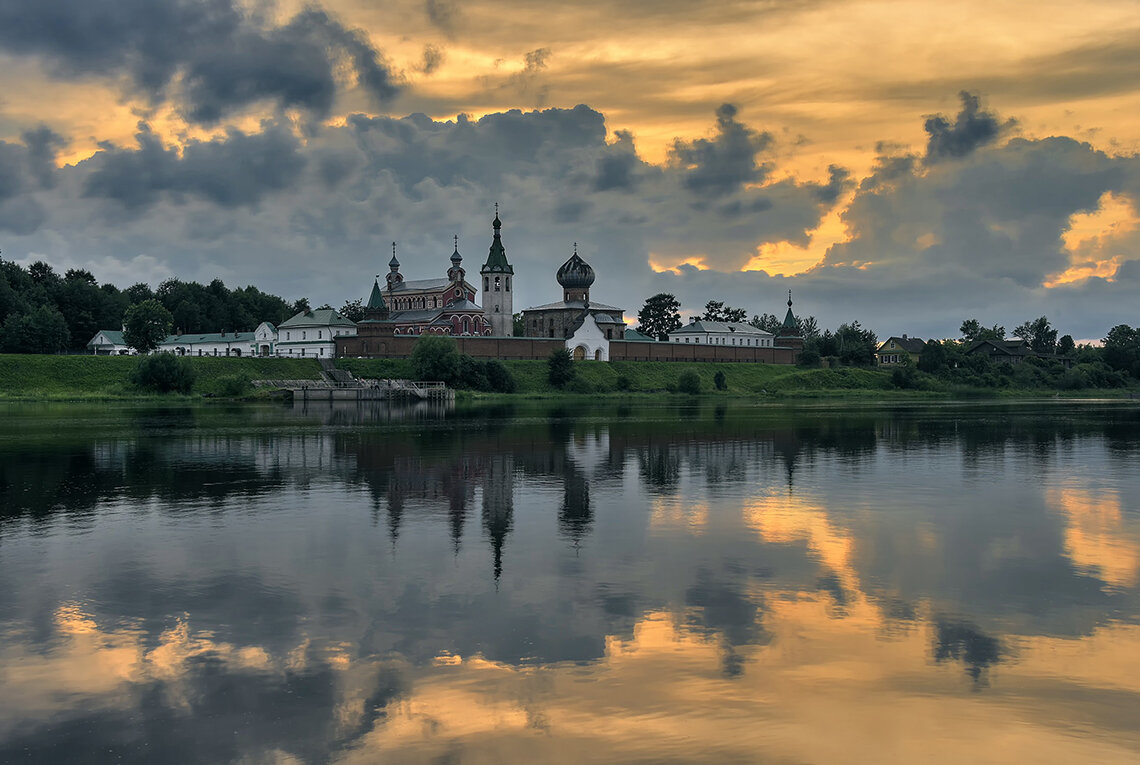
(360, 390)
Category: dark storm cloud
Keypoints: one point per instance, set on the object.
(723, 164)
(839, 181)
(223, 58)
(618, 166)
(973, 127)
(25, 169)
(239, 169)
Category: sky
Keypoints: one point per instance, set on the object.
(902, 164)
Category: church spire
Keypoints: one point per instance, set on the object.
(497, 255)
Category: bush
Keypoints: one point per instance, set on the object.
(623, 383)
(163, 373)
(472, 374)
(578, 385)
(809, 358)
(232, 386)
(499, 378)
(905, 377)
(720, 381)
(689, 382)
(560, 368)
(435, 358)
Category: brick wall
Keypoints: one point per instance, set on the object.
(382, 347)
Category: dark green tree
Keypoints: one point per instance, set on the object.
(934, 357)
(972, 331)
(163, 373)
(720, 380)
(769, 322)
(689, 382)
(1121, 349)
(145, 325)
(435, 358)
(353, 310)
(518, 328)
(1040, 335)
(659, 316)
(42, 330)
(716, 310)
(856, 345)
(1066, 345)
(560, 368)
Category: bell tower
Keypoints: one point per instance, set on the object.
(498, 294)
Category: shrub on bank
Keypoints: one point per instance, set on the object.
(163, 373)
(560, 369)
(720, 380)
(689, 382)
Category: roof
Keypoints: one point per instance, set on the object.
(497, 256)
(634, 336)
(577, 305)
(269, 324)
(322, 317)
(701, 326)
(1007, 347)
(463, 304)
(908, 344)
(209, 337)
(113, 336)
(418, 316)
(422, 284)
(376, 299)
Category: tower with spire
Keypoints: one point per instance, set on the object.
(498, 295)
(789, 334)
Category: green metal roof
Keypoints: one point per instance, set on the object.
(114, 337)
(497, 256)
(376, 299)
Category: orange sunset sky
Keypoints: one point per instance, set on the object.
(907, 164)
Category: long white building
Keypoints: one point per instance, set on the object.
(731, 333)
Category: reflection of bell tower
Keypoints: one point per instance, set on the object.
(497, 273)
(499, 504)
(575, 516)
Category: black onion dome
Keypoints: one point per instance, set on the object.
(575, 273)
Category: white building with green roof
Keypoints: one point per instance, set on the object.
(311, 334)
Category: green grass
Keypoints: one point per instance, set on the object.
(101, 377)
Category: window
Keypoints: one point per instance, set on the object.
(508, 284)
(321, 352)
(498, 284)
(319, 336)
(287, 335)
(486, 284)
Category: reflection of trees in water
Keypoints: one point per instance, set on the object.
(962, 641)
(659, 466)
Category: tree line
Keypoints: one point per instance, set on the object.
(1056, 362)
(42, 311)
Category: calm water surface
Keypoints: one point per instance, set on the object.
(536, 583)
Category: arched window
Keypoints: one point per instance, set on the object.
(498, 284)
(486, 284)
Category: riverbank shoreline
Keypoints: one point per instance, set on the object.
(102, 378)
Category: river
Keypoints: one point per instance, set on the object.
(692, 581)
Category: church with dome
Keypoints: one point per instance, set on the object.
(566, 318)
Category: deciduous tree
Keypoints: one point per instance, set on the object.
(145, 325)
(659, 316)
(716, 310)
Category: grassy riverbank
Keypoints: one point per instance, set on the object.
(108, 377)
(37, 377)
